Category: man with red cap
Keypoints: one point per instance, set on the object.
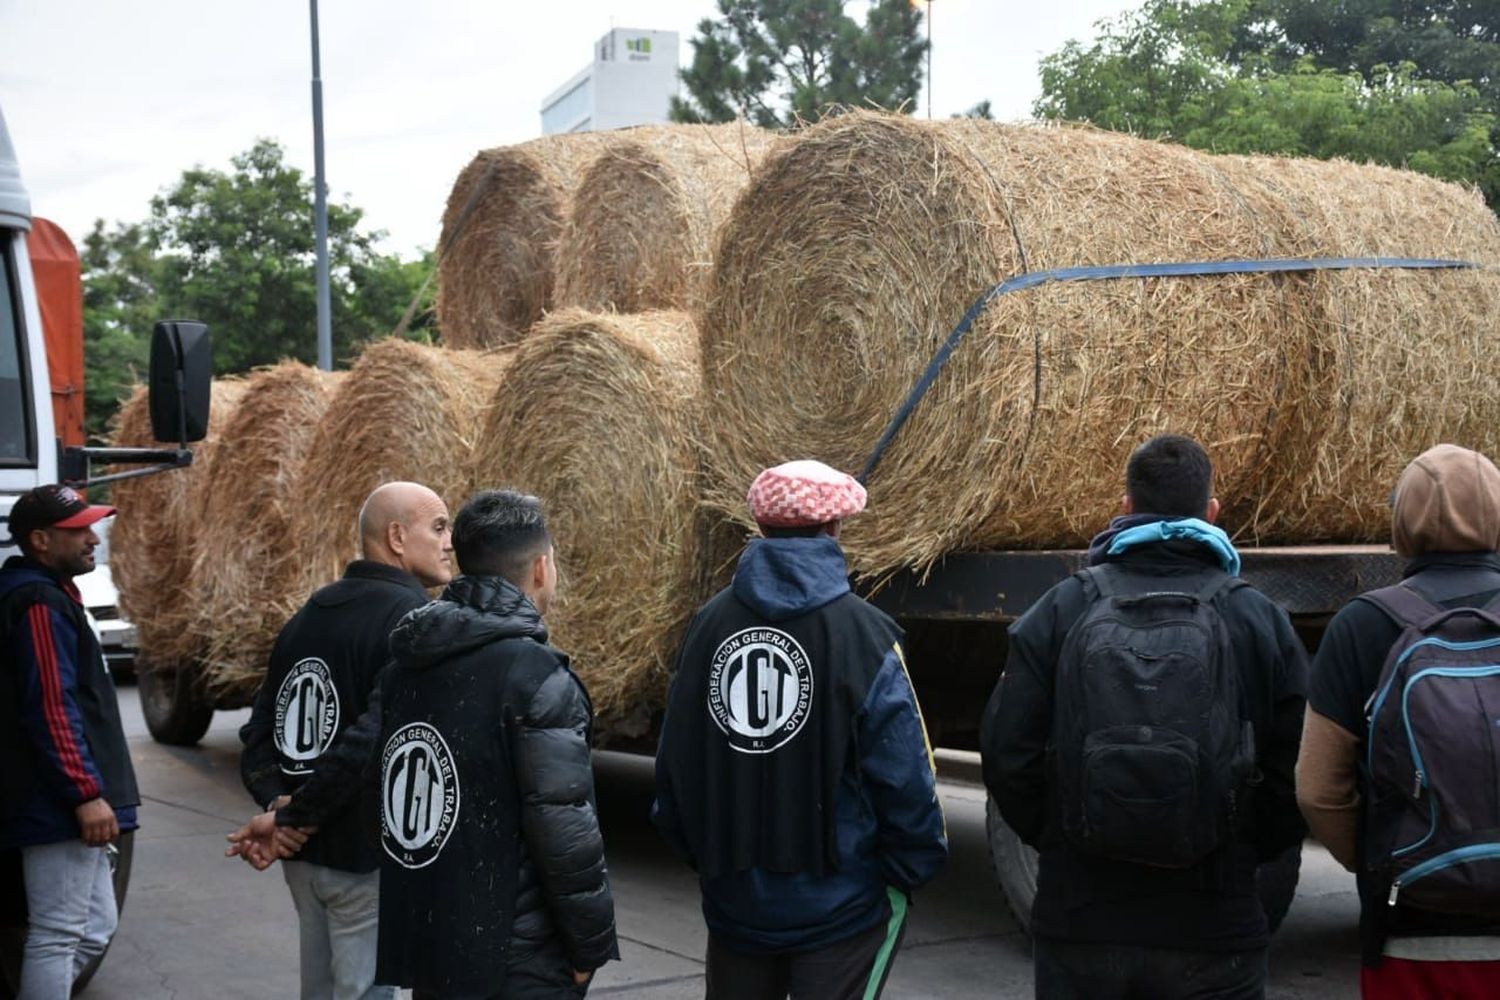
(67, 788)
(794, 772)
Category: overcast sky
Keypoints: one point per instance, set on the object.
(109, 100)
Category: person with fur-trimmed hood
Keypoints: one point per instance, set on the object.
(794, 772)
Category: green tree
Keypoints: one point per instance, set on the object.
(236, 250)
(1450, 40)
(119, 296)
(1229, 76)
(778, 61)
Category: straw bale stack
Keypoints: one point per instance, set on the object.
(405, 411)
(855, 250)
(497, 277)
(247, 565)
(595, 416)
(640, 234)
(1408, 357)
(155, 538)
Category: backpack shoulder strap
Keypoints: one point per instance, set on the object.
(1402, 604)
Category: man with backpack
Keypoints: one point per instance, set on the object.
(1143, 738)
(1397, 774)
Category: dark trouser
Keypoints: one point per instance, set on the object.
(854, 969)
(542, 976)
(1069, 970)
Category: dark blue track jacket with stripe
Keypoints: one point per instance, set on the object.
(60, 731)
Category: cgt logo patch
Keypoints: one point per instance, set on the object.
(307, 715)
(760, 689)
(418, 795)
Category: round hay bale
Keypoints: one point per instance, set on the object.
(155, 538)
(246, 567)
(496, 278)
(405, 411)
(1408, 357)
(596, 417)
(640, 234)
(856, 249)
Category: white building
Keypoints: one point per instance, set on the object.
(631, 81)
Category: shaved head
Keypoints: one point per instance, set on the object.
(406, 525)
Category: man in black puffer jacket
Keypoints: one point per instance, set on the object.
(494, 882)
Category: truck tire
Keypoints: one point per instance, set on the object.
(176, 709)
(1015, 866)
(1014, 863)
(13, 915)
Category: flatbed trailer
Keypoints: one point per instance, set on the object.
(956, 613)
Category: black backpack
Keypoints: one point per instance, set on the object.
(1432, 757)
(1150, 741)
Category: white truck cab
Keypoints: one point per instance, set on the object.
(30, 456)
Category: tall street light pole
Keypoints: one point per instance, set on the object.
(929, 5)
(320, 204)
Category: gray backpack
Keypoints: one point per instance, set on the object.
(1432, 760)
(1151, 747)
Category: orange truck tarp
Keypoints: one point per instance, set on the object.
(59, 290)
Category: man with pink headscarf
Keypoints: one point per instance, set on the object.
(794, 772)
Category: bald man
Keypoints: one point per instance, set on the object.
(319, 680)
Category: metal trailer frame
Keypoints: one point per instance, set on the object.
(956, 612)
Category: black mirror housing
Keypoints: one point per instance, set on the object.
(181, 380)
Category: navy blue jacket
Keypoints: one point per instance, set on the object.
(814, 826)
(60, 730)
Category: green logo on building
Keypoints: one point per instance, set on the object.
(641, 45)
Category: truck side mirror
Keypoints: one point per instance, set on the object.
(182, 371)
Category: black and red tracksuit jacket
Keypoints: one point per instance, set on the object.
(60, 735)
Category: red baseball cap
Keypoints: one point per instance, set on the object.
(53, 506)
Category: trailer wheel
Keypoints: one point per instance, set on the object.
(13, 915)
(1014, 863)
(1015, 866)
(177, 710)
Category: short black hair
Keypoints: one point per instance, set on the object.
(1170, 475)
(499, 533)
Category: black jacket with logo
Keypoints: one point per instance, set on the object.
(493, 853)
(1213, 907)
(794, 771)
(318, 682)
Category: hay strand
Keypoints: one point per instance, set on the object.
(1408, 357)
(497, 277)
(644, 216)
(856, 249)
(247, 565)
(595, 416)
(405, 411)
(156, 535)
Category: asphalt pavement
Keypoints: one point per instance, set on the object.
(199, 927)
